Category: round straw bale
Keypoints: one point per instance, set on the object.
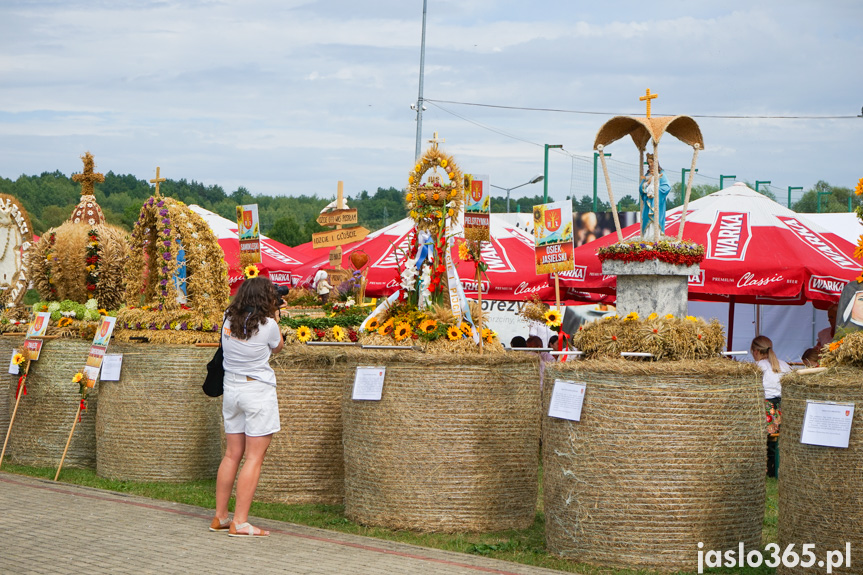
(666, 455)
(155, 423)
(304, 463)
(451, 446)
(46, 414)
(820, 487)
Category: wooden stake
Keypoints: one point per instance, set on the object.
(11, 421)
(479, 298)
(557, 290)
(68, 441)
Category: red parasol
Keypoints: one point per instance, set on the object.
(757, 251)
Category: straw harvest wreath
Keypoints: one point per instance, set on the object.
(432, 202)
(164, 227)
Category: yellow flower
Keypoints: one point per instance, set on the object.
(490, 337)
(338, 333)
(631, 316)
(102, 311)
(251, 271)
(553, 318)
(64, 321)
(77, 377)
(418, 168)
(410, 180)
(423, 196)
(444, 162)
(486, 333)
(859, 189)
(453, 333)
(463, 253)
(669, 316)
(414, 214)
(428, 326)
(652, 316)
(409, 197)
(304, 334)
(372, 325)
(451, 212)
(466, 328)
(452, 175)
(403, 331)
(18, 359)
(386, 327)
(691, 318)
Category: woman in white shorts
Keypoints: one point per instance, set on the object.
(250, 334)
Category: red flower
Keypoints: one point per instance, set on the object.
(614, 338)
(91, 287)
(440, 269)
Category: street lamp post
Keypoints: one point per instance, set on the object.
(419, 107)
(533, 180)
(683, 180)
(759, 182)
(789, 193)
(545, 172)
(722, 180)
(596, 157)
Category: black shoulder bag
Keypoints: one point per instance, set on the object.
(214, 382)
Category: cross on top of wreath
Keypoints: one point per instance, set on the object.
(157, 180)
(88, 177)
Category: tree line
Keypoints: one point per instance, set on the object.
(50, 198)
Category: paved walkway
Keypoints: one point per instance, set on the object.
(59, 528)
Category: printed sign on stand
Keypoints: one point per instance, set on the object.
(39, 325)
(98, 349)
(248, 230)
(827, 423)
(552, 233)
(111, 365)
(567, 398)
(477, 204)
(369, 383)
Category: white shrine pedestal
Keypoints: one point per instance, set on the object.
(649, 287)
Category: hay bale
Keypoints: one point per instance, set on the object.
(819, 487)
(45, 415)
(155, 423)
(452, 445)
(304, 463)
(666, 455)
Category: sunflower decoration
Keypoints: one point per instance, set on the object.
(859, 189)
(386, 328)
(251, 271)
(631, 316)
(428, 326)
(304, 334)
(64, 322)
(339, 333)
(373, 325)
(466, 329)
(77, 377)
(488, 335)
(453, 333)
(402, 331)
(553, 318)
(18, 358)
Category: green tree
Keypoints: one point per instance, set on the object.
(286, 231)
(833, 199)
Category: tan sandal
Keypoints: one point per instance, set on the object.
(246, 530)
(220, 525)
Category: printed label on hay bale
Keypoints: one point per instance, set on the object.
(567, 397)
(827, 423)
(369, 383)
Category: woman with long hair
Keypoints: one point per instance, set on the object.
(772, 369)
(250, 334)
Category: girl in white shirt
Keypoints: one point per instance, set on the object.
(772, 369)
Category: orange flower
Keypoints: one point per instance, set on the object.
(835, 345)
(77, 377)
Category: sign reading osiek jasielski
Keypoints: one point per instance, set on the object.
(477, 203)
(552, 234)
(248, 230)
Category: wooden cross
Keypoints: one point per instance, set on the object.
(88, 177)
(157, 180)
(648, 97)
(434, 141)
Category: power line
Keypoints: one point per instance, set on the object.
(559, 110)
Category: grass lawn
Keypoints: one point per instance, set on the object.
(524, 546)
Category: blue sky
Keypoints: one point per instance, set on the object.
(289, 96)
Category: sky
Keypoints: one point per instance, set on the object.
(287, 97)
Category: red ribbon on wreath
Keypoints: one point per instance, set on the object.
(83, 408)
(21, 383)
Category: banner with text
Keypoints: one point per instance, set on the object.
(552, 233)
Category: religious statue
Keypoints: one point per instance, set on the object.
(653, 203)
(850, 308)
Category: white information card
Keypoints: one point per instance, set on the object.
(111, 365)
(369, 383)
(567, 398)
(827, 423)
